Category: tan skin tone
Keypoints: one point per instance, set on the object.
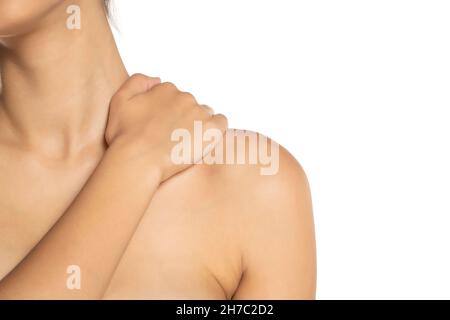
(87, 180)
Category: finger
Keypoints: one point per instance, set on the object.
(137, 84)
(220, 122)
(208, 109)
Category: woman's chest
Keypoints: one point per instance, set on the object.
(31, 202)
(181, 249)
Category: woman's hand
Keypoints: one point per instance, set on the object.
(95, 230)
(145, 112)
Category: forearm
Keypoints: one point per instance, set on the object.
(93, 234)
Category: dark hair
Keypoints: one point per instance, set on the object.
(107, 4)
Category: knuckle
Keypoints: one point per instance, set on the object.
(138, 77)
(220, 118)
(136, 80)
(203, 112)
(169, 86)
(187, 97)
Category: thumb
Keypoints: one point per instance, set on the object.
(137, 84)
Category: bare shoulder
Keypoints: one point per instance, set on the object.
(268, 198)
(237, 227)
(254, 169)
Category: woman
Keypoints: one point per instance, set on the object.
(89, 188)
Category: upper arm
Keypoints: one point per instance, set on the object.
(278, 244)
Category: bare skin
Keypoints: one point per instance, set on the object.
(204, 232)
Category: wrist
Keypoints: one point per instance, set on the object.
(134, 158)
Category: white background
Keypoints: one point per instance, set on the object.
(358, 91)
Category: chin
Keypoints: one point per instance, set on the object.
(18, 17)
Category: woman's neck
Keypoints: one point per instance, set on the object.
(57, 82)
